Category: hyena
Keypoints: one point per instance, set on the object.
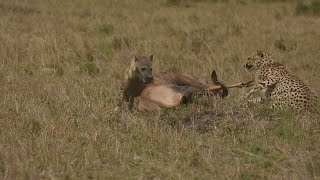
(136, 77)
(167, 89)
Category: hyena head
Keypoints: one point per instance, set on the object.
(142, 68)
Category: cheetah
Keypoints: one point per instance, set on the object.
(279, 87)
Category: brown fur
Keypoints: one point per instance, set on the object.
(136, 77)
(179, 80)
(170, 90)
(166, 90)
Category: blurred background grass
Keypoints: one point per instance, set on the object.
(61, 66)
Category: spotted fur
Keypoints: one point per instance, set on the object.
(279, 86)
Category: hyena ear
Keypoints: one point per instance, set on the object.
(151, 57)
(260, 53)
(135, 59)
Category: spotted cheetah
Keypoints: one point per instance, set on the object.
(281, 88)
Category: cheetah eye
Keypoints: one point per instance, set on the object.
(143, 69)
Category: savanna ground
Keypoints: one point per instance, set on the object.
(61, 67)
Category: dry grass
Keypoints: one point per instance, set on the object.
(60, 69)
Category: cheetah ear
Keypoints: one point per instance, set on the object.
(151, 57)
(260, 53)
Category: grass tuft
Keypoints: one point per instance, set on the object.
(106, 29)
(308, 9)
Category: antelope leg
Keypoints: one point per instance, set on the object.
(238, 85)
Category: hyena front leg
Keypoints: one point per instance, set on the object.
(131, 102)
(120, 97)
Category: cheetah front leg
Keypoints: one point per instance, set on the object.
(258, 100)
(254, 89)
(270, 82)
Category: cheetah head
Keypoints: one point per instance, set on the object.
(257, 59)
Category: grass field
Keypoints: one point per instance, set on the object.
(61, 64)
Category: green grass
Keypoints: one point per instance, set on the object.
(60, 71)
(312, 8)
